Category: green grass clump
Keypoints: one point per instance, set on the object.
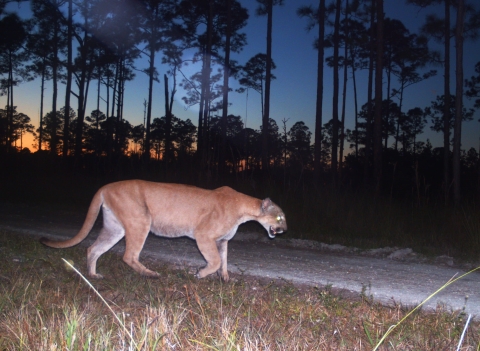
(44, 305)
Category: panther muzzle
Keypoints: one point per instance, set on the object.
(274, 231)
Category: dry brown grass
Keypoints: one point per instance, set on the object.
(44, 306)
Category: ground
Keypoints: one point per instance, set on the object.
(388, 275)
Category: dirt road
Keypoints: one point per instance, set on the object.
(386, 280)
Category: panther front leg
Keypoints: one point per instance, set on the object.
(209, 250)
(222, 246)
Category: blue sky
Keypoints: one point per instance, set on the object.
(293, 93)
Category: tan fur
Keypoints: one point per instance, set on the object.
(133, 208)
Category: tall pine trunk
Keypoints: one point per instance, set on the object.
(151, 71)
(10, 102)
(68, 88)
(446, 111)
(388, 111)
(226, 73)
(40, 134)
(83, 82)
(319, 104)
(206, 86)
(168, 125)
(82, 96)
(355, 99)
(336, 83)
(268, 78)
(371, 60)
(53, 136)
(200, 110)
(457, 133)
(344, 92)
(115, 82)
(377, 134)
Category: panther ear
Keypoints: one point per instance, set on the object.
(266, 204)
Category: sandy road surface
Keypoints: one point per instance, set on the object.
(386, 280)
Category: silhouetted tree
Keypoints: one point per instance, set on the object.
(405, 55)
(318, 17)
(88, 50)
(252, 76)
(436, 109)
(249, 140)
(226, 75)
(119, 30)
(358, 39)
(266, 8)
(39, 66)
(473, 85)
(183, 136)
(377, 125)
(93, 137)
(440, 30)
(299, 147)
(12, 58)
(412, 124)
(22, 125)
(117, 134)
(336, 88)
(391, 114)
(50, 26)
(53, 123)
(11, 132)
(208, 39)
(457, 130)
(156, 15)
(69, 67)
(231, 140)
(274, 143)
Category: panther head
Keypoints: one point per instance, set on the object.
(272, 218)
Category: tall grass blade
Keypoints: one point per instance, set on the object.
(463, 332)
(203, 344)
(103, 300)
(367, 332)
(451, 281)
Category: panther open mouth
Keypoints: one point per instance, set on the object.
(272, 232)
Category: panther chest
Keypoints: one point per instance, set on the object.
(230, 234)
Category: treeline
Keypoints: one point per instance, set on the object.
(92, 47)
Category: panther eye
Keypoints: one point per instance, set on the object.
(279, 218)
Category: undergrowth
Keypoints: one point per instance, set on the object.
(347, 214)
(44, 305)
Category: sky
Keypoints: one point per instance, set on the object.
(293, 93)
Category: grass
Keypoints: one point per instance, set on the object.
(46, 306)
